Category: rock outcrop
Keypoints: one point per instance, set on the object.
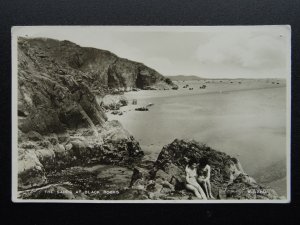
(113, 102)
(166, 179)
(160, 180)
(40, 157)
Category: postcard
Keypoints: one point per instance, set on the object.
(151, 114)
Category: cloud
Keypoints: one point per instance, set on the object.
(243, 50)
(253, 51)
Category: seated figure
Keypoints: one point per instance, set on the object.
(191, 179)
(204, 176)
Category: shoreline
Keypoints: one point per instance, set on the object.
(145, 94)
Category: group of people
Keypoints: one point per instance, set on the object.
(198, 176)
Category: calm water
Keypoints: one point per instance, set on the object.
(250, 125)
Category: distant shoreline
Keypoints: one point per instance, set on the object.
(196, 78)
(144, 94)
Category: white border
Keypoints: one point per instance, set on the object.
(19, 30)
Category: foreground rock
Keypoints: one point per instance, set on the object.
(147, 180)
(99, 182)
(38, 158)
(166, 179)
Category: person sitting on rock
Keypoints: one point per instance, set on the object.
(191, 179)
(204, 176)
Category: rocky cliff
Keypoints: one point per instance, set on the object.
(60, 83)
(61, 118)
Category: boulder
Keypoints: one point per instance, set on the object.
(114, 102)
(59, 150)
(79, 147)
(31, 172)
(118, 141)
(140, 177)
(46, 156)
(141, 109)
(160, 174)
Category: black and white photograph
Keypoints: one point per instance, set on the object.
(151, 114)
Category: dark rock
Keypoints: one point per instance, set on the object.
(172, 160)
(133, 194)
(141, 109)
(149, 88)
(160, 174)
(123, 101)
(31, 172)
(140, 176)
(116, 112)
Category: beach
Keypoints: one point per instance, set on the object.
(246, 119)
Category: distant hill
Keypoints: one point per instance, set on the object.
(185, 77)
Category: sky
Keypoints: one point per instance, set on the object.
(210, 52)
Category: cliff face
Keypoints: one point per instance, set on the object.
(59, 82)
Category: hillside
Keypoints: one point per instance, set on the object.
(60, 81)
